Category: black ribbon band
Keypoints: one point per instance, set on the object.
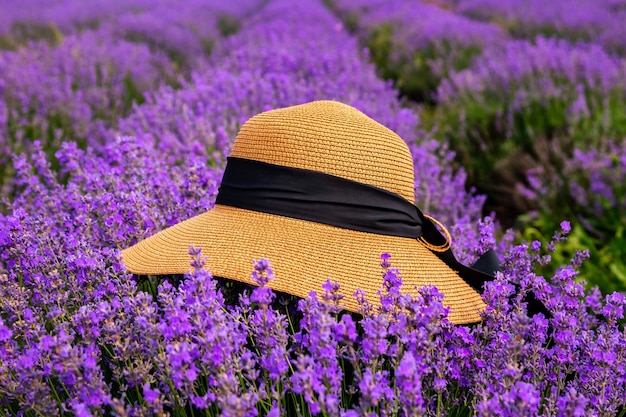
(328, 199)
(317, 197)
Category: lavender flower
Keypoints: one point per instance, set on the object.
(590, 193)
(414, 43)
(317, 375)
(582, 19)
(268, 330)
(75, 90)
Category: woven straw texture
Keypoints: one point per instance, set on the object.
(336, 139)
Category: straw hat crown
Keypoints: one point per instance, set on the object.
(329, 137)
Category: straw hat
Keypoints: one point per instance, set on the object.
(333, 140)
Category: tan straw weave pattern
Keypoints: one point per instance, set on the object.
(333, 138)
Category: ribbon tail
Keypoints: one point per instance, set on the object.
(534, 306)
(488, 263)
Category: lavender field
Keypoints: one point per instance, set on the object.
(116, 118)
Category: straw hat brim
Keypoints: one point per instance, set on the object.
(303, 255)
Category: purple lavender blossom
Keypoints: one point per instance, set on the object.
(414, 43)
(589, 191)
(418, 25)
(72, 91)
(268, 330)
(552, 64)
(317, 373)
(581, 19)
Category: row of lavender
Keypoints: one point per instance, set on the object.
(539, 123)
(600, 21)
(78, 335)
(69, 71)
